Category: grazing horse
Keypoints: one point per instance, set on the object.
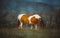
(32, 19)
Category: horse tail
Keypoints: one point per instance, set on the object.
(18, 22)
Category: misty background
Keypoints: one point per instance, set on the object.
(47, 9)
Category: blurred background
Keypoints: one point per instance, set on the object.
(49, 10)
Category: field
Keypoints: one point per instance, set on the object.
(27, 33)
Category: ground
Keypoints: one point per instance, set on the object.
(27, 33)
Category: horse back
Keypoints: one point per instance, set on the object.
(25, 18)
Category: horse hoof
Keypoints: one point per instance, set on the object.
(20, 28)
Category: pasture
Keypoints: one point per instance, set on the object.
(27, 33)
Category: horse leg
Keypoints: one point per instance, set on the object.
(31, 26)
(36, 27)
(20, 26)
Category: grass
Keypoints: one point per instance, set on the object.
(27, 33)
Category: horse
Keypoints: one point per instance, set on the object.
(32, 19)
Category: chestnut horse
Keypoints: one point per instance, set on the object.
(32, 19)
